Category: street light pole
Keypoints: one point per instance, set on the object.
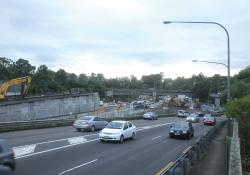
(228, 48)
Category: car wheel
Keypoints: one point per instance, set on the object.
(133, 136)
(92, 128)
(102, 141)
(78, 129)
(121, 139)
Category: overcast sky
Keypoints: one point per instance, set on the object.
(124, 37)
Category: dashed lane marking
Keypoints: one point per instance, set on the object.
(71, 169)
(23, 150)
(76, 140)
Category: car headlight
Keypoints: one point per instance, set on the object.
(171, 131)
(184, 132)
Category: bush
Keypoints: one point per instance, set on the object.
(240, 109)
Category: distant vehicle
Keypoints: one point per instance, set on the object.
(101, 103)
(200, 114)
(91, 123)
(118, 131)
(150, 116)
(7, 155)
(181, 129)
(206, 116)
(181, 113)
(194, 118)
(139, 104)
(209, 121)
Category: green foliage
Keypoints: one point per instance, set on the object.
(45, 80)
(240, 109)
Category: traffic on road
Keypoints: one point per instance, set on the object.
(64, 150)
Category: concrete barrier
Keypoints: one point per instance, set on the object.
(233, 145)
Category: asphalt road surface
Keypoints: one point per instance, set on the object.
(64, 151)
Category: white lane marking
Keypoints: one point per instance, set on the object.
(156, 137)
(152, 126)
(77, 167)
(52, 141)
(66, 146)
(49, 150)
(23, 150)
(76, 140)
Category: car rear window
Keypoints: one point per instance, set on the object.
(180, 125)
(85, 118)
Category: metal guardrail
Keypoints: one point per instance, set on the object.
(34, 124)
(192, 154)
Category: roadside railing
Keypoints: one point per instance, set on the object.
(233, 149)
(192, 154)
(67, 121)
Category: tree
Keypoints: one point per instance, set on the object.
(22, 68)
(42, 80)
(61, 78)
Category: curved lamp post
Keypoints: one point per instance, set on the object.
(228, 49)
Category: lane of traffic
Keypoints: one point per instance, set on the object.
(130, 157)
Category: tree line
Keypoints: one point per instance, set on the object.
(47, 81)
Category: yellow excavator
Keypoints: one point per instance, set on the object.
(23, 81)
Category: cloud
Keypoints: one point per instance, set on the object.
(118, 37)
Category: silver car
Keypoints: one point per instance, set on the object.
(150, 116)
(91, 123)
(194, 118)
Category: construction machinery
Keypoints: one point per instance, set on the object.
(23, 81)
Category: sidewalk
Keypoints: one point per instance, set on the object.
(214, 161)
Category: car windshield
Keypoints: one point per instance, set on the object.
(115, 125)
(85, 118)
(210, 118)
(192, 116)
(180, 125)
(207, 116)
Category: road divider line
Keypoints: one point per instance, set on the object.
(52, 141)
(23, 150)
(156, 137)
(76, 141)
(49, 150)
(92, 161)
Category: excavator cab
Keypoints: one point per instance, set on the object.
(23, 81)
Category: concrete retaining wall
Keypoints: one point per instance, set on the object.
(48, 107)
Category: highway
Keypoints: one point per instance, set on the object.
(62, 150)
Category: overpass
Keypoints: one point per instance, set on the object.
(151, 91)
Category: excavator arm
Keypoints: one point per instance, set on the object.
(25, 81)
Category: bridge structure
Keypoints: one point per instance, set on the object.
(151, 91)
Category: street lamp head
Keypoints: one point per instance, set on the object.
(194, 61)
(167, 22)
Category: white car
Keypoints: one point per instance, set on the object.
(118, 131)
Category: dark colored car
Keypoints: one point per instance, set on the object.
(181, 129)
(7, 155)
(4, 170)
